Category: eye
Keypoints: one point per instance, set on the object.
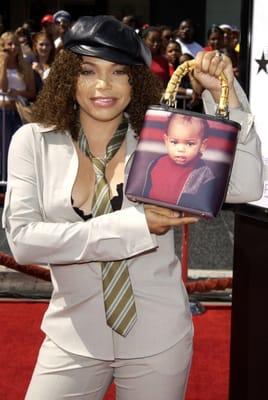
(86, 72)
(120, 71)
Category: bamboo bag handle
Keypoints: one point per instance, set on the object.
(169, 97)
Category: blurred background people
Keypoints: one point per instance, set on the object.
(187, 98)
(31, 26)
(47, 25)
(184, 35)
(62, 20)
(17, 81)
(131, 20)
(44, 51)
(228, 48)
(214, 38)
(152, 38)
(166, 36)
(227, 34)
(173, 53)
(26, 44)
(235, 39)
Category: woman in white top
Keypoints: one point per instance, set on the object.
(44, 50)
(98, 90)
(16, 80)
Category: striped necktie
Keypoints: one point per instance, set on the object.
(119, 302)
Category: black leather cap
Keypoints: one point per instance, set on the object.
(105, 37)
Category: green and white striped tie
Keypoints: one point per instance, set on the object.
(119, 301)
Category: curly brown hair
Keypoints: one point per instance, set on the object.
(55, 103)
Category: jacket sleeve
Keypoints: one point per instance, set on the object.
(246, 181)
(119, 235)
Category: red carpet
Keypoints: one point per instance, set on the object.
(20, 339)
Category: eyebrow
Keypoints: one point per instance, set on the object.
(96, 64)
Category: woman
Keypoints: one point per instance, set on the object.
(44, 51)
(166, 36)
(173, 53)
(159, 65)
(16, 82)
(214, 38)
(145, 345)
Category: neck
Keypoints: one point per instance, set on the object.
(99, 133)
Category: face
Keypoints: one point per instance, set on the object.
(62, 25)
(43, 46)
(227, 36)
(166, 36)
(103, 90)
(186, 31)
(173, 52)
(11, 46)
(153, 41)
(215, 41)
(184, 141)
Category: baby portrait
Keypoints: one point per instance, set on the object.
(183, 161)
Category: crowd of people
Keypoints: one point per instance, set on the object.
(26, 55)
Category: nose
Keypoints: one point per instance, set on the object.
(180, 147)
(103, 82)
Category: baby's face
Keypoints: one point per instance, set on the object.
(185, 142)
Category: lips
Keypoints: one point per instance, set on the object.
(103, 101)
(180, 159)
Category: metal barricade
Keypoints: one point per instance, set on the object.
(184, 99)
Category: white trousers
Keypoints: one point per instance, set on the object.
(62, 375)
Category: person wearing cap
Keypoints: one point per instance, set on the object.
(227, 33)
(47, 19)
(62, 20)
(65, 172)
(48, 25)
(228, 48)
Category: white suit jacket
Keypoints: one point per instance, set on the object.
(43, 228)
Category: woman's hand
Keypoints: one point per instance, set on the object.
(208, 67)
(160, 219)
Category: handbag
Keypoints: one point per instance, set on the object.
(183, 159)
